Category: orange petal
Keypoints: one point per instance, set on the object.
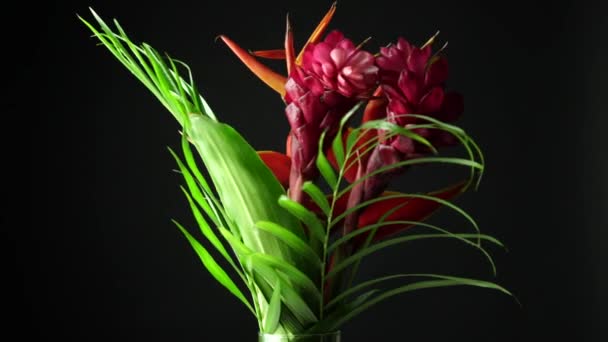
(279, 164)
(270, 54)
(271, 78)
(411, 209)
(288, 145)
(376, 107)
(289, 49)
(316, 34)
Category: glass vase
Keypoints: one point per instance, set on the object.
(324, 337)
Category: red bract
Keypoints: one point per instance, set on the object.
(341, 66)
(311, 110)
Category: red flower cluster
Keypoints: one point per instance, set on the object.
(326, 80)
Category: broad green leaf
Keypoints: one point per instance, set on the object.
(213, 267)
(247, 188)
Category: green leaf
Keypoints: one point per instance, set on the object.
(422, 160)
(362, 286)
(317, 196)
(338, 149)
(294, 275)
(213, 267)
(293, 241)
(308, 217)
(427, 284)
(392, 128)
(374, 227)
(291, 299)
(247, 188)
(325, 168)
(273, 313)
(380, 245)
(401, 195)
(192, 186)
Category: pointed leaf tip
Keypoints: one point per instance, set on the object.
(318, 32)
(268, 76)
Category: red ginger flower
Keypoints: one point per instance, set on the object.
(299, 90)
(413, 81)
(311, 109)
(340, 65)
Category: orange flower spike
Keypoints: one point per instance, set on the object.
(271, 78)
(318, 32)
(289, 48)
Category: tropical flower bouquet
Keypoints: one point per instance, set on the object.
(285, 233)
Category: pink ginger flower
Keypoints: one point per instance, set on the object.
(341, 66)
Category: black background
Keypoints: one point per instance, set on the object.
(89, 187)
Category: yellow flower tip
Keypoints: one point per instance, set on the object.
(319, 30)
(431, 40)
(289, 47)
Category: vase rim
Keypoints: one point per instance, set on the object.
(328, 333)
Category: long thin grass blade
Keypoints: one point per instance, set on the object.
(214, 268)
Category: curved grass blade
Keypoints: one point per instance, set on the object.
(304, 215)
(362, 286)
(427, 284)
(213, 267)
(294, 275)
(380, 245)
(273, 313)
(294, 303)
(193, 187)
(317, 196)
(427, 197)
(375, 226)
(392, 128)
(325, 167)
(422, 160)
(291, 240)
